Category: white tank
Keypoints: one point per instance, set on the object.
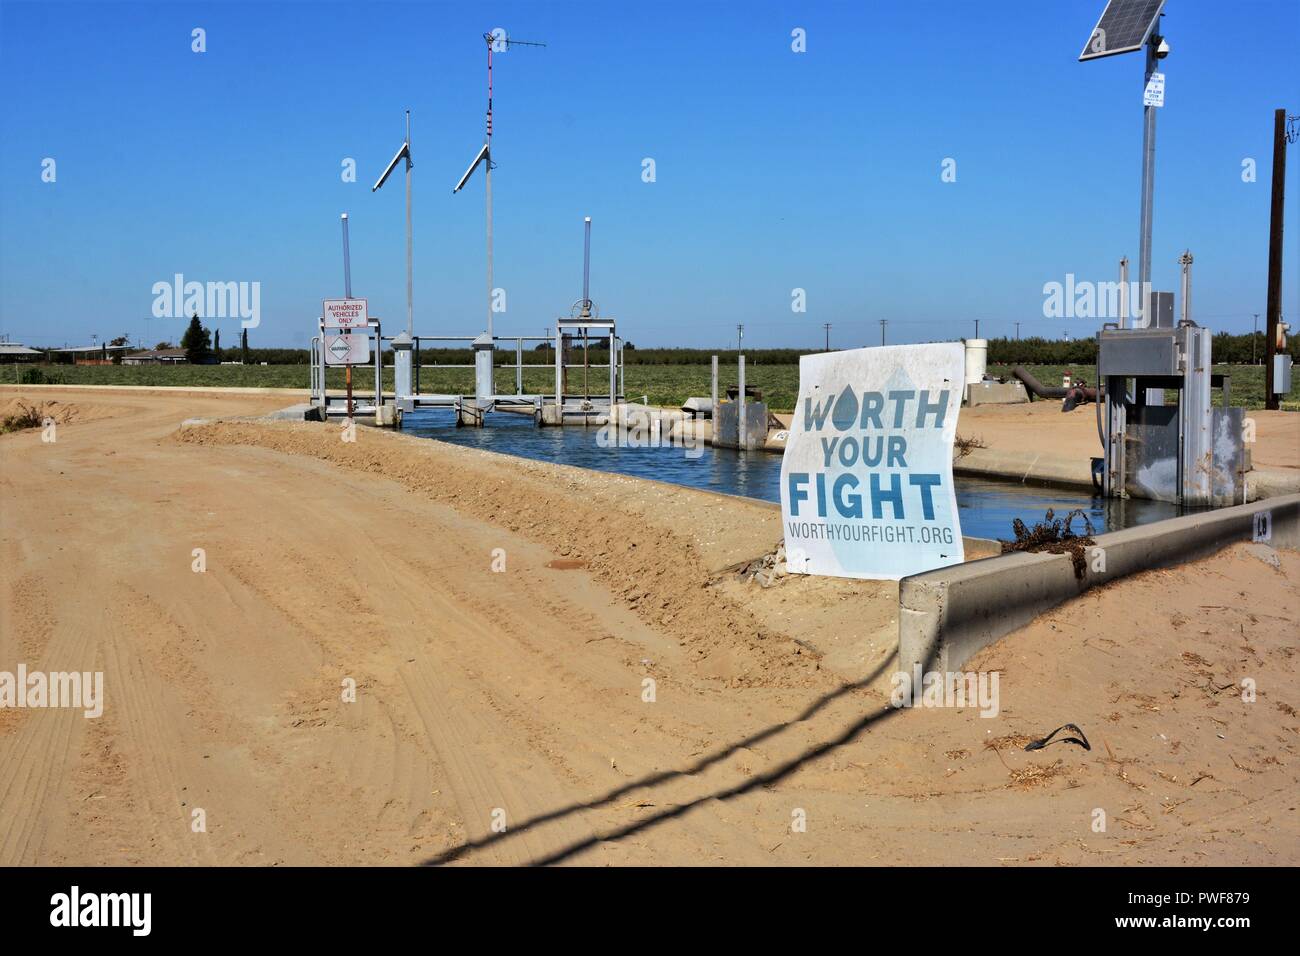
(977, 360)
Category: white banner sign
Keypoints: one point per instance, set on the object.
(347, 349)
(866, 481)
(345, 313)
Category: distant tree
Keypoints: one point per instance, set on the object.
(163, 345)
(243, 346)
(216, 345)
(120, 340)
(197, 341)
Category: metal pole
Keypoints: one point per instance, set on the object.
(559, 373)
(488, 160)
(1148, 184)
(379, 371)
(1254, 336)
(487, 172)
(410, 308)
(741, 431)
(882, 331)
(1125, 306)
(347, 261)
(347, 294)
(1185, 293)
(586, 269)
(713, 408)
(1273, 309)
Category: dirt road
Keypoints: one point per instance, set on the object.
(611, 696)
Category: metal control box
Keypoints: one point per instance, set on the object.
(1186, 451)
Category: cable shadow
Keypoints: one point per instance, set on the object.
(761, 780)
(703, 763)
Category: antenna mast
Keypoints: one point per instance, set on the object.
(497, 40)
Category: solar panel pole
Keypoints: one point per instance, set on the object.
(1148, 181)
(410, 307)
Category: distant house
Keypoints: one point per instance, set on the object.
(11, 352)
(155, 357)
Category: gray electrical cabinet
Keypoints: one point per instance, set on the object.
(1281, 374)
(1187, 452)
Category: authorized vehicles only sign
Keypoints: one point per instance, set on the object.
(866, 480)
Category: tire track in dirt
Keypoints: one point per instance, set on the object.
(35, 760)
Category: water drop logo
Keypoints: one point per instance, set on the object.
(845, 413)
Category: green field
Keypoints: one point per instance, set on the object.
(661, 384)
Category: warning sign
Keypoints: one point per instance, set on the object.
(347, 349)
(345, 313)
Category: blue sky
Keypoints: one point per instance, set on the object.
(774, 170)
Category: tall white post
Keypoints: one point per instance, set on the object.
(741, 431)
(488, 174)
(410, 307)
(713, 408)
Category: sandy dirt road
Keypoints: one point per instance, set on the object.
(520, 699)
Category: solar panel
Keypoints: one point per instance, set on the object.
(1124, 27)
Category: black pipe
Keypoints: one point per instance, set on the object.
(1078, 395)
(1035, 387)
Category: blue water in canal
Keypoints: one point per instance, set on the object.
(987, 507)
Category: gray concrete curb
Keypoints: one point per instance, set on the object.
(945, 616)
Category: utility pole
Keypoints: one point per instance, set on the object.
(1273, 309)
(882, 330)
(1017, 331)
(977, 328)
(740, 334)
(827, 327)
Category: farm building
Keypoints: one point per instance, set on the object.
(155, 357)
(11, 352)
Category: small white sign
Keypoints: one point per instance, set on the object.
(347, 349)
(1155, 91)
(345, 313)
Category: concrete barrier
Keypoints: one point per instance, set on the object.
(945, 616)
(726, 425)
(302, 412)
(996, 393)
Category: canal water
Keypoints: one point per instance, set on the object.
(987, 508)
